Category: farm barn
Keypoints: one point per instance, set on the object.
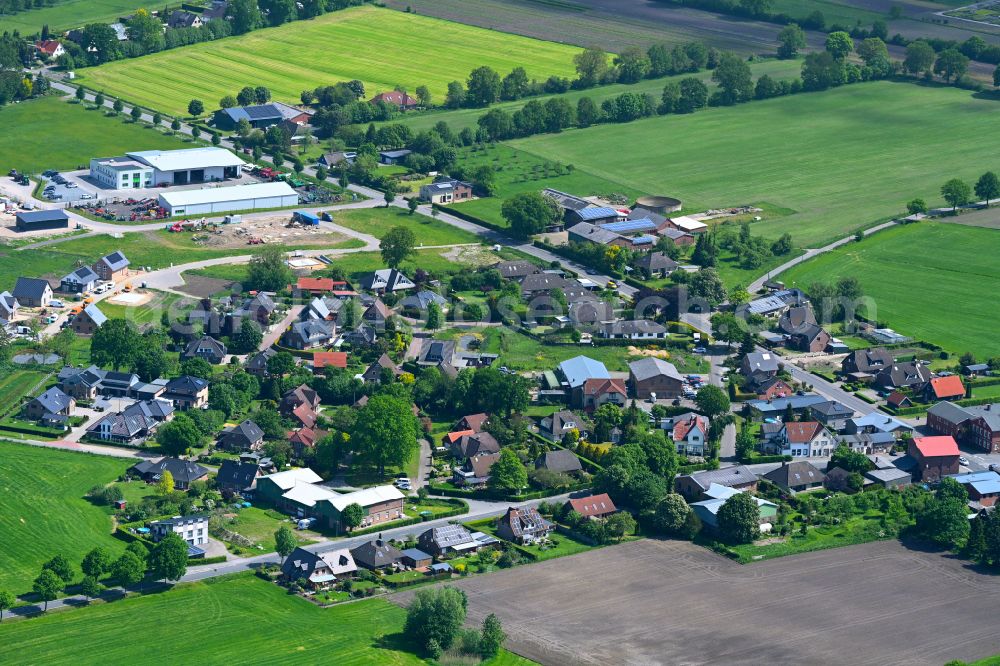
(258, 196)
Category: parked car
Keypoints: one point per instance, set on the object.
(71, 186)
(963, 460)
(699, 350)
(86, 196)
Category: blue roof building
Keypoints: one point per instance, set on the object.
(630, 226)
(596, 213)
(778, 406)
(579, 369)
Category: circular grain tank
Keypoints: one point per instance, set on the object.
(660, 205)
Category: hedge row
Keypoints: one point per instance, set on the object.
(985, 382)
(491, 494)
(761, 459)
(970, 402)
(460, 509)
(417, 581)
(28, 430)
(194, 561)
(470, 218)
(686, 345)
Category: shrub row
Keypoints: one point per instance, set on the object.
(194, 561)
(470, 218)
(489, 493)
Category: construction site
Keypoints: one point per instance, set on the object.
(298, 229)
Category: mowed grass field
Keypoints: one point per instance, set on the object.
(380, 47)
(842, 159)
(378, 221)
(69, 14)
(43, 511)
(214, 619)
(933, 281)
(52, 133)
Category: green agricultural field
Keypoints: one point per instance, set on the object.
(52, 133)
(217, 617)
(378, 221)
(842, 158)
(835, 13)
(925, 281)
(379, 47)
(16, 385)
(69, 14)
(43, 511)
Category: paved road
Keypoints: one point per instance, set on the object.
(825, 388)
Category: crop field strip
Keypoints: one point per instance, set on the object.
(69, 14)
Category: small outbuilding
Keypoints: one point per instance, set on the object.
(39, 220)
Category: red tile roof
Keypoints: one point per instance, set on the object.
(325, 359)
(48, 46)
(318, 284)
(595, 505)
(802, 432)
(948, 387)
(603, 386)
(897, 399)
(682, 428)
(305, 414)
(932, 447)
(453, 437)
(305, 437)
(395, 97)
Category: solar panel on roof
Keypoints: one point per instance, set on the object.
(262, 112)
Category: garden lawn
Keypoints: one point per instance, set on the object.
(380, 47)
(260, 525)
(149, 313)
(854, 530)
(15, 385)
(43, 511)
(843, 158)
(378, 222)
(69, 14)
(218, 619)
(924, 281)
(53, 133)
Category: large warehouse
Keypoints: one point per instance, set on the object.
(37, 220)
(151, 168)
(226, 199)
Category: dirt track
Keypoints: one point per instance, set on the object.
(663, 602)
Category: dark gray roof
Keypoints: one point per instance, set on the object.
(82, 275)
(649, 367)
(53, 400)
(205, 345)
(832, 408)
(243, 435)
(184, 471)
(795, 474)
(33, 288)
(376, 553)
(559, 460)
(239, 474)
(655, 261)
(116, 261)
(633, 327)
(447, 536)
(186, 385)
(726, 476)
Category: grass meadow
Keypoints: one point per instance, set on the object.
(53, 133)
(43, 511)
(842, 159)
(380, 47)
(933, 281)
(378, 221)
(69, 14)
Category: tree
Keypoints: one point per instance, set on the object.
(956, 192)
(165, 485)
(397, 245)
(433, 316)
(245, 97)
(61, 567)
(280, 364)
(244, 16)
(135, 113)
(129, 569)
(423, 94)
(435, 617)
(988, 187)
(267, 270)
(916, 206)
(508, 473)
(97, 562)
(115, 343)
(707, 284)
(727, 327)
(873, 52)
(261, 95)
(693, 95)
(529, 213)
(178, 436)
(7, 600)
(821, 71)
(352, 515)
(839, 44)
(944, 522)
(734, 78)
(670, 514)
(90, 588)
(633, 65)
(227, 102)
(951, 64)
(591, 66)
(950, 489)
(919, 57)
(80, 93)
(249, 336)
(197, 367)
(47, 586)
(492, 637)
(739, 519)
(849, 460)
(455, 98)
(168, 559)
(996, 77)
(196, 107)
(385, 431)
(175, 125)
(620, 524)
(790, 40)
(483, 87)
(712, 401)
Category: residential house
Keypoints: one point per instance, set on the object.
(396, 98)
(473, 422)
(772, 388)
(246, 436)
(832, 414)
(562, 461)
(985, 430)
(309, 334)
(866, 363)
(32, 292)
(802, 439)
(386, 280)
(80, 281)
(421, 301)
(112, 267)
(318, 286)
(303, 440)
(51, 401)
(88, 320)
(381, 504)
(516, 270)
(318, 569)
(555, 426)
(693, 486)
(180, 18)
(49, 49)
(534, 284)
(216, 9)
(302, 394)
(184, 472)
(263, 116)
(8, 307)
(416, 558)
(323, 360)
(796, 477)
(889, 477)
(869, 442)
(593, 506)
(690, 434)
(774, 304)
(374, 372)
(523, 525)
(238, 477)
(258, 309)
(651, 376)
(898, 400)
(708, 510)
(377, 554)
(256, 364)
(377, 314)
(447, 539)
(336, 158)
(187, 392)
(446, 191)
(655, 264)
(597, 392)
(809, 338)
(475, 471)
(193, 529)
(948, 387)
(779, 406)
(876, 422)
(983, 487)
(393, 156)
(759, 366)
(577, 371)
(936, 457)
(796, 319)
(205, 347)
(133, 425)
(636, 329)
(911, 374)
(363, 336)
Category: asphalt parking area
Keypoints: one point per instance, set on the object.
(664, 602)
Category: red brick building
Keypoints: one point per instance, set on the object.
(936, 457)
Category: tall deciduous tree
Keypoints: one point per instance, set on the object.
(48, 586)
(839, 44)
(988, 187)
(956, 192)
(790, 40)
(739, 519)
(385, 431)
(397, 245)
(483, 87)
(168, 559)
(591, 66)
(508, 472)
(7, 600)
(284, 541)
(352, 515)
(529, 213)
(435, 617)
(115, 343)
(97, 562)
(492, 637)
(267, 270)
(129, 569)
(919, 57)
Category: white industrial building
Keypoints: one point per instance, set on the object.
(226, 199)
(151, 168)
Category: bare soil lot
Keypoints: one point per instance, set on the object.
(665, 602)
